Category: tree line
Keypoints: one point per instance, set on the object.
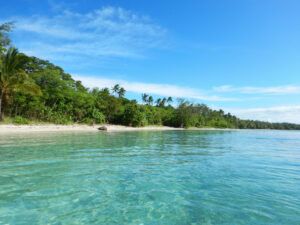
(32, 89)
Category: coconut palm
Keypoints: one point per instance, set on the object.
(121, 92)
(145, 97)
(13, 78)
(116, 89)
(163, 102)
(169, 100)
(158, 102)
(150, 100)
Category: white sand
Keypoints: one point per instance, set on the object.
(10, 128)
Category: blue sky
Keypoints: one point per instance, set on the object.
(241, 56)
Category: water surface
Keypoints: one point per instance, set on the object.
(150, 177)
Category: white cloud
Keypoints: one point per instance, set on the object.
(289, 114)
(109, 31)
(280, 90)
(155, 89)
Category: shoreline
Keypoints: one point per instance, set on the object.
(35, 128)
(14, 128)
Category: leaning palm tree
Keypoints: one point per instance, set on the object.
(158, 102)
(13, 78)
(163, 102)
(145, 97)
(169, 100)
(150, 100)
(121, 92)
(116, 89)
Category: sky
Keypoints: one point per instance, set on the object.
(241, 56)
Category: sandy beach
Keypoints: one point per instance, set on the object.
(11, 128)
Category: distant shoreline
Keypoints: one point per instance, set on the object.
(34, 128)
(12, 128)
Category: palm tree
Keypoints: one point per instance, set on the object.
(116, 89)
(158, 102)
(169, 100)
(150, 100)
(144, 97)
(13, 78)
(121, 92)
(163, 102)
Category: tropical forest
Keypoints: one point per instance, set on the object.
(34, 90)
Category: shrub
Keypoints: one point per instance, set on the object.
(88, 121)
(98, 116)
(133, 116)
(20, 120)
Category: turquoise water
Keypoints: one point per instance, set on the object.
(161, 177)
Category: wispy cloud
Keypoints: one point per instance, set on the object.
(109, 31)
(272, 114)
(150, 88)
(279, 90)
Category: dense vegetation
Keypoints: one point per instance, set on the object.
(35, 89)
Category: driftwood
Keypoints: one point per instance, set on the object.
(103, 128)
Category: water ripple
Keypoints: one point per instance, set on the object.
(170, 177)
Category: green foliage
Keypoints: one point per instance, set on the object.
(7, 120)
(20, 120)
(5, 29)
(35, 89)
(64, 100)
(134, 115)
(98, 116)
(13, 78)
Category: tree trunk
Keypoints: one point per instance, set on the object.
(11, 108)
(1, 97)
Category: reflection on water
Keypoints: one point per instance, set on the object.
(158, 177)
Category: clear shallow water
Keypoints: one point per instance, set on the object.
(167, 177)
